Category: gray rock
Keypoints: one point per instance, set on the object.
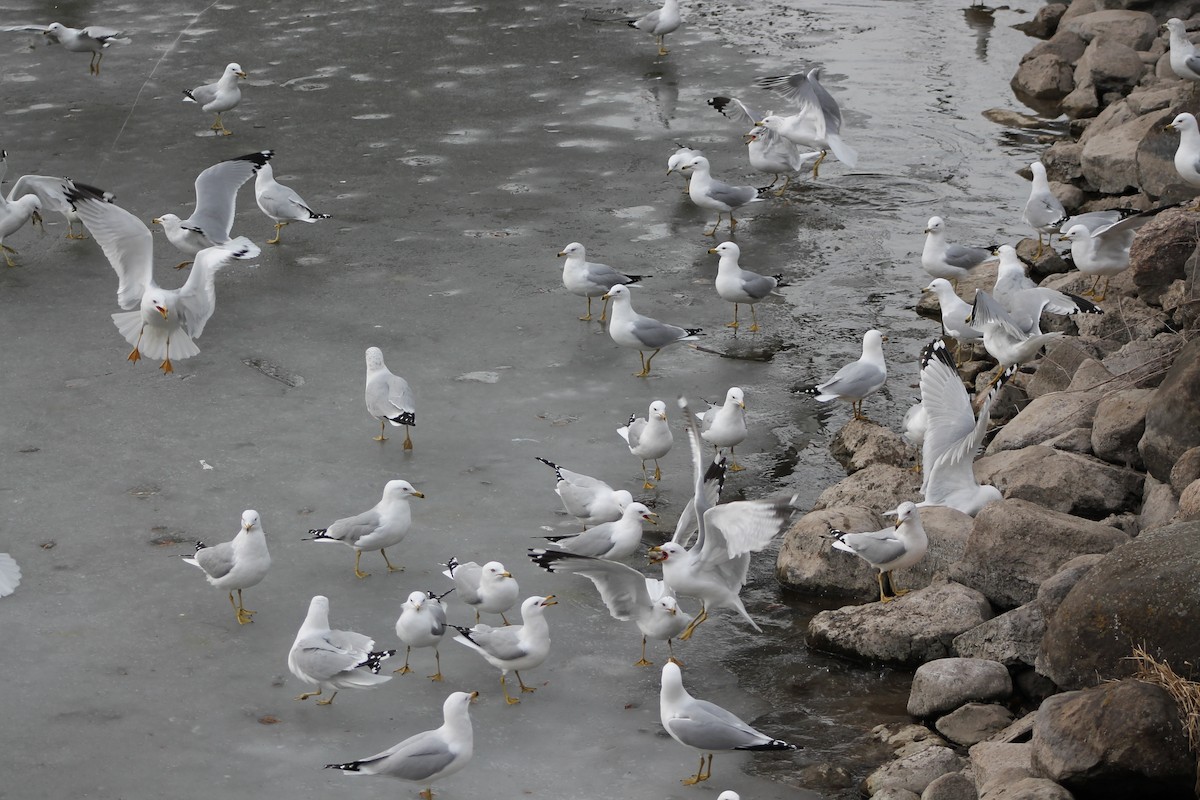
(1186, 469)
(1082, 102)
(1159, 505)
(860, 443)
(1125, 319)
(1067, 45)
(1044, 22)
(1173, 419)
(947, 683)
(895, 793)
(1034, 688)
(1013, 638)
(1058, 366)
(974, 722)
(1117, 740)
(951, 786)
(998, 764)
(1062, 481)
(1119, 424)
(1046, 417)
(1092, 374)
(1076, 440)
(1029, 789)
(1015, 545)
(1157, 96)
(908, 631)
(1143, 363)
(1061, 160)
(902, 735)
(1045, 77)
(1161, 248)
(1142, 592)
(1055, 589)
(1109, 65)
(807, 562)
(1110, 163)
(915, 772)
(881, 487)
(1189, 503)
(1111, 117)
(1135, 29)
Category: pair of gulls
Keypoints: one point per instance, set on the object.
(93, 39)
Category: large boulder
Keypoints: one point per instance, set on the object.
(1115, 741)
(1159, 505)
(1160, 250)
(860, 443)
(1045, 77)
(1062, 481)
(1058, 366)
(880, 487)
(974, 722)
(1110, 162)
(1046, 417)
(1012, 639)
(1015, 545)
(807, 562)
(945, 684)
(913, 773)
(1143, 363)
(1056, 588)
(1144, 592)
(1134, 29)
(1108, 65)
(1118, 426)
(951, 786)
(908, 631)
(1173, 418)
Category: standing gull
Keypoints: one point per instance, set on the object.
(591, 279)
(590, 500)
(682, 155)
(649, 438)
(705, 726)
(1187, 155)
(237, 564)
(429, 755)
(627, 593)
(381, 527)
(1025, 300)
(741, 286)
(19, 208)
(92, 39)
(818, 121)
(1103, 251)
(855, 381)
(1043, 211)
(954, 312)
(897, 547)
(389, 397)
(333, 659)
(708, 192)
(219, 97)
(515, 647)
(1184, 61)
(630, 329)
(1003, 338)
(488, 589)
(725, 425)
(660, 22)
(950, 261)
(216, 198)
(280, 202)
(612, 540)
(422, 623)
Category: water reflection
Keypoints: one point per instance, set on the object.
(980, 20)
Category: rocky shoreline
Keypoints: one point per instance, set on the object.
(1055, 635)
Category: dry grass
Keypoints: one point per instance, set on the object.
(1185, 692)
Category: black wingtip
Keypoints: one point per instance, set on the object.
(774, 744)
(257, 159)
(188, 94)
(373, 660)
(694, 331)
(937, 349)
(1085, 306)
(351, 766)
(551, 465)
(720, 103)
(404, 418)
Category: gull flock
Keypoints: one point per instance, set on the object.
(705, 564)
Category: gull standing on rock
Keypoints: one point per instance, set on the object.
(591, 279)
(950, 261)
(216, 201)
(612, 540)
(389, 397)
(1187, 155)
(381, 527)
(710, 193)
(280, 202)
(333, 659)
(627, 593)
(1003, 338)
(422, 623)
(630, 329)
(1103, 251)
(490, 589)
(590, 500)
(725, 425)
(429, 755)
(897, 547)
(1043, 211)
(741, 286)
(515, 647)
(92, 39)
(954, 312)
(818, 121)
(855, 381)
(1025, 301)
(237, 564)
(705, 726)
(1184, 61)
(649, 438)
(219, 97)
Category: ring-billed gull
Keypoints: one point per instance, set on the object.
(631, 329)
(953, 433)
(10, 575)
(381, 527)
(92, 39)
(389, 397)
(649, 438)
(897, 547)
(1025, 301)
(1003, 338)
(333, 659)
(514, 647)
(429, 755)
(768, 151)
(660, 22)
(708, 192)
(216, 200)
(954, 312)
(590, 500)
(1103, 251)
(627, 593)
(1043, 211)
(818, 121)
(618, 539)
(19, 208)
(715, 568)
(591, 279)
(741, 286)
(705, 726)
(167, 320)
(219, 97)
(725, 425)
(237, 564)
(1184, 61)
(950, 261)
(422, 623)
(50, 191)
(488, 589)
(856, 380)
(1187, 155)
(281, 203)
(682, 155)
